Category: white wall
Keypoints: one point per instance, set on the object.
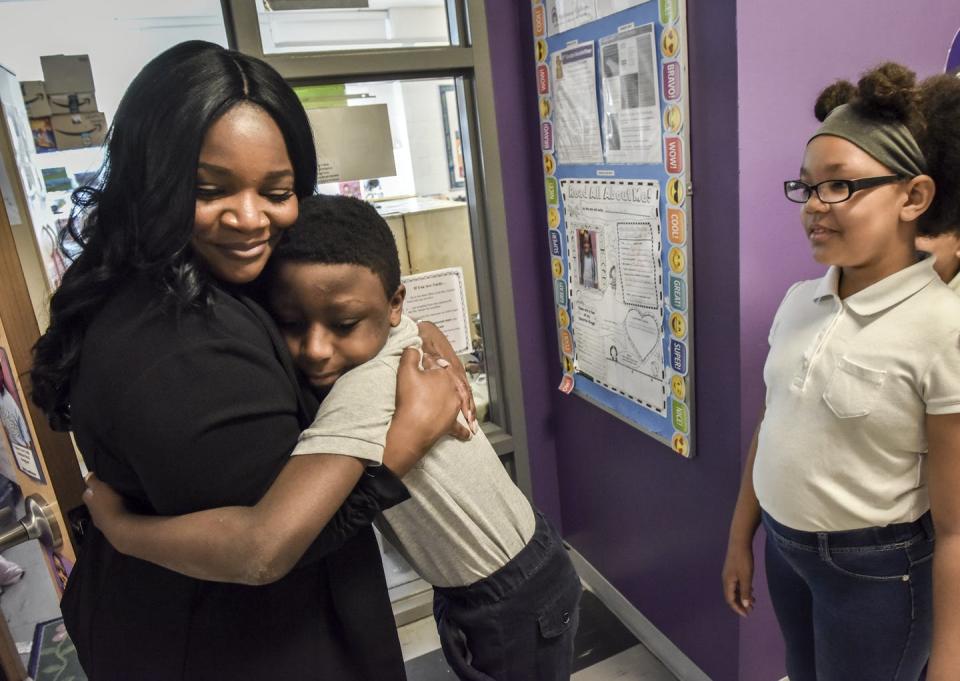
(428, 151)
(120, 38)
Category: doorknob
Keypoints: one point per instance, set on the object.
(38, 523)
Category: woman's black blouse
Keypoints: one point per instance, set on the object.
(183, 410)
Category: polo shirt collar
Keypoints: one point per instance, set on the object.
(955, 284)
(882, 295)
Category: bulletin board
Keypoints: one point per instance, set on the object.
(613, 99)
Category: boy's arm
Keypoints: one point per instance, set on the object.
(260, 544)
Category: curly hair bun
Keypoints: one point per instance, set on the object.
(888, 91)
(833, 96)
(940, 141)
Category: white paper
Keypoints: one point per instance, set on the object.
(440, 296)
(9, 198)
(631, 97)
(353, 142)
(562, 15)
(577, 133)
(608, 7)
(618, 318)
(328, 170)
(26, 461)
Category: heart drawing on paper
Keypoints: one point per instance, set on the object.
(643, 332)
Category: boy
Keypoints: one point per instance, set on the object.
(946, 249)
(506, 593)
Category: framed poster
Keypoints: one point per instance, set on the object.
(611, 81)
(13, 424)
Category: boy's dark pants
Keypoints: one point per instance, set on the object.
(519, 623)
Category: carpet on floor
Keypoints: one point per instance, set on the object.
(53, 657)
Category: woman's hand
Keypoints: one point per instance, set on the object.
(107, 510)
(738, 578)
(427, 406)
(436, 347)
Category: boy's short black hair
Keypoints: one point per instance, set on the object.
(341, 230)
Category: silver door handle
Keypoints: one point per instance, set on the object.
(38, 523)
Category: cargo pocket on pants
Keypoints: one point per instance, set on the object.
(561, 614)
(456, 650)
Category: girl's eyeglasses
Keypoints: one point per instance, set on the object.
(832, 191)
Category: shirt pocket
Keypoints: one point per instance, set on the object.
(854, 389)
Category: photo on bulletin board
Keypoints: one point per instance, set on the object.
(13, 423)
(611, 78)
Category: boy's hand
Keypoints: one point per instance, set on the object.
(436, 351)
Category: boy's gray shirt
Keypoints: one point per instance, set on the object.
(465, 518)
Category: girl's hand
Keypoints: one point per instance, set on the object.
(738, 578)
(436, 347)
(427, 406)
(106, 508)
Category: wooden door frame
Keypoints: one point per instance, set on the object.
(22, 330)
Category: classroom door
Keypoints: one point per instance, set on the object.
(40, 476)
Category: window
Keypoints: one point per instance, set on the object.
(333, 25)
(403, 117)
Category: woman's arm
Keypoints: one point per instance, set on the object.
(738, 565)
(260, 544)
(943, 438)
(243, 544)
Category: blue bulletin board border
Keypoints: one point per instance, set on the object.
(675, 428)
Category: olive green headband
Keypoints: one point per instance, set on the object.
(889, 142)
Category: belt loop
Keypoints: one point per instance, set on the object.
(823, 545)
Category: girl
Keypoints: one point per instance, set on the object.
(588, 262)
(856, 459)
(180, 393)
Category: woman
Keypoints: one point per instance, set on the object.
(181, 396)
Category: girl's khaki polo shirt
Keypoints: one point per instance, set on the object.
(843, 442)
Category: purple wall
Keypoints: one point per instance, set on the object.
(511, 56)
(787, 53)
(652, 523)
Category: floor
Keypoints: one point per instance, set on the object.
(604, 650)
(31, 600)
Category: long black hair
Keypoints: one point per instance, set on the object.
(137, 217)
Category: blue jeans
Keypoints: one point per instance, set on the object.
(519, 623)
(854, 605)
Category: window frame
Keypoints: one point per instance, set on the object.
(467, 61)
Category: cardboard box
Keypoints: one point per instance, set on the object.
(67, 73)
(80, 130)
(77, 102)
(35, 98)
